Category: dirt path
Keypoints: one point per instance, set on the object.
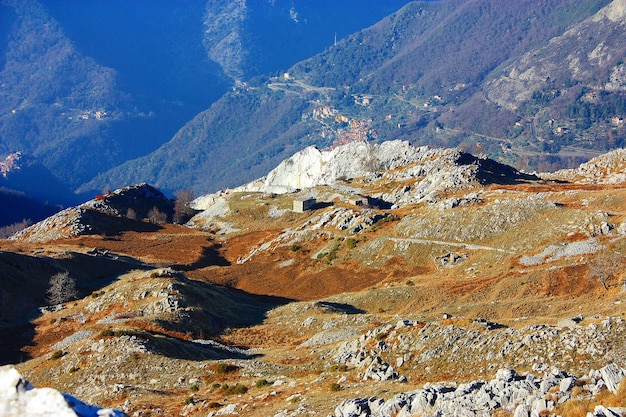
(444, 243)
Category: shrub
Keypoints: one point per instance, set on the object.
(236, 389)
(261, 383)
(57, 354)
(156, 216)
(194, 388)
(294, 248)
(334, 387)
(106, 333)
(188, 400)
(131, 214)
(224, 368)
(351, 243)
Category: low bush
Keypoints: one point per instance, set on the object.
(261, 383)
(236, 389)
(57, 354)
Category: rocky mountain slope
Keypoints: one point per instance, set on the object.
(423, 281)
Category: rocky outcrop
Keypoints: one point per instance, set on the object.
(609, 168)
(523, 395)
(435, 169)
(19, 398)
(407, 175)
(104, 214)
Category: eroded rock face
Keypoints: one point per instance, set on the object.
(19, 398)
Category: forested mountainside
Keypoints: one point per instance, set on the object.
(88, 85)
(443, 73)
(251, 38)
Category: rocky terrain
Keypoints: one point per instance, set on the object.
(422, 281)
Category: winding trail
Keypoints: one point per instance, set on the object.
(442, 242)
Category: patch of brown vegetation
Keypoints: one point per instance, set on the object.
(567, 281)
(172, 244)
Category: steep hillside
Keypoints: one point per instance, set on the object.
(242, 35)
(431, 73)
(419, 280)
(89, 86)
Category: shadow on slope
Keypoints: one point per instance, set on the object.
(492, 172)
(24, 281)
(333, 307)
(106, 225)
(196, 350)
(203, 310)
(210, 257)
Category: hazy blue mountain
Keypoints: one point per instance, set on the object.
(66, 104)
(87, 85)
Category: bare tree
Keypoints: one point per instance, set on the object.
(131, 214)
(605, 266)
(182, 210)
(9, 230)
(156, 216)
(62, 288)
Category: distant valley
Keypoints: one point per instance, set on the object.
(92, 90)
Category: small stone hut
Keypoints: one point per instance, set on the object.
(300, 205)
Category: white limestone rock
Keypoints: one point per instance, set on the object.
(19, 398)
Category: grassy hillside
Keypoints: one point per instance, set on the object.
(264, 309)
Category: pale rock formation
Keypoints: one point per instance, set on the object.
(19, 398)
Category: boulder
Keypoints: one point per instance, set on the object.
(612, 375)
(19, 398)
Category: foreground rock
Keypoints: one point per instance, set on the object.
(19, 398)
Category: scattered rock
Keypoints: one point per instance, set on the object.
(521, 395)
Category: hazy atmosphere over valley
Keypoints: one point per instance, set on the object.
(285, 208)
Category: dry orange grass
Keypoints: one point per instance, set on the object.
(580, 407)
